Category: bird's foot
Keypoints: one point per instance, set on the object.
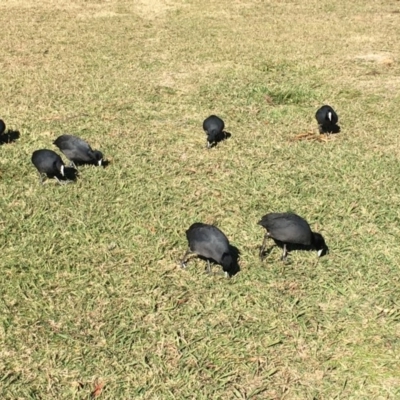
(224, 273)
(285, 259)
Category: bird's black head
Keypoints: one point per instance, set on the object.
(212, 136)
(227, 262)
(59, 165)
(97, 157)
(319, 244)
(329, 115)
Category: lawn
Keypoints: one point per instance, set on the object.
(93, 301)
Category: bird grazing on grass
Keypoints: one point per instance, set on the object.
(78, 151)
(214, 128)
(48, 162)
(327, 120)
(2, 127)
(209, 242)
(289, 230)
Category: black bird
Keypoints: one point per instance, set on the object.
(214, 128)
(327, 120)
(209, 242)
(48, 162)
(2, 127)
(78, 151)
(290, 230)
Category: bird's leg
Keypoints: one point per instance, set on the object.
(61, 183)
(284, 253)
(183, 260)
(40, 178)
(263, 245)
(208, 145)
(208, 267)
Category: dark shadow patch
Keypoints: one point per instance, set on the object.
(235, 252)
(71, 174)
(9, 137)
(220, 138)
(227, 135)
(328, 129)
(267, 251)
(105, 163)
(292, 247)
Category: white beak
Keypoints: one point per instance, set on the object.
(330, 116)
(99, 162)
(320, 252)
(62, 170)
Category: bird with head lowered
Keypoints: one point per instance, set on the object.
(49, 163)
(209, 242)
(327, 120)
(214, 129)
(290, 231)
(78, 151)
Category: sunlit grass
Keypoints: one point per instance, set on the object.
(91, 290)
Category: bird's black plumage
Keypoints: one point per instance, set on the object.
(211, 243)
(291, 230)
(214, 128)
(78, 151)
(48, 162)
(327, 120)
(2, 127)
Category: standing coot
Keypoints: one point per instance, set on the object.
(214, 128)
(290, 230)
(211, 243)
(48, 162)
(327, 120)
(78, 151)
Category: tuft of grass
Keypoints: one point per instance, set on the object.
(93, 302)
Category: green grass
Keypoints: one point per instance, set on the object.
(91, 291)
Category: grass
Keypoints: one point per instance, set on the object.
(93, 302)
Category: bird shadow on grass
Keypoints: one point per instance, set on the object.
(104, 164)
(291, 247)
(267, 251)
(235, 252)
(221, 137)
(329, 129)
(9, 137)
